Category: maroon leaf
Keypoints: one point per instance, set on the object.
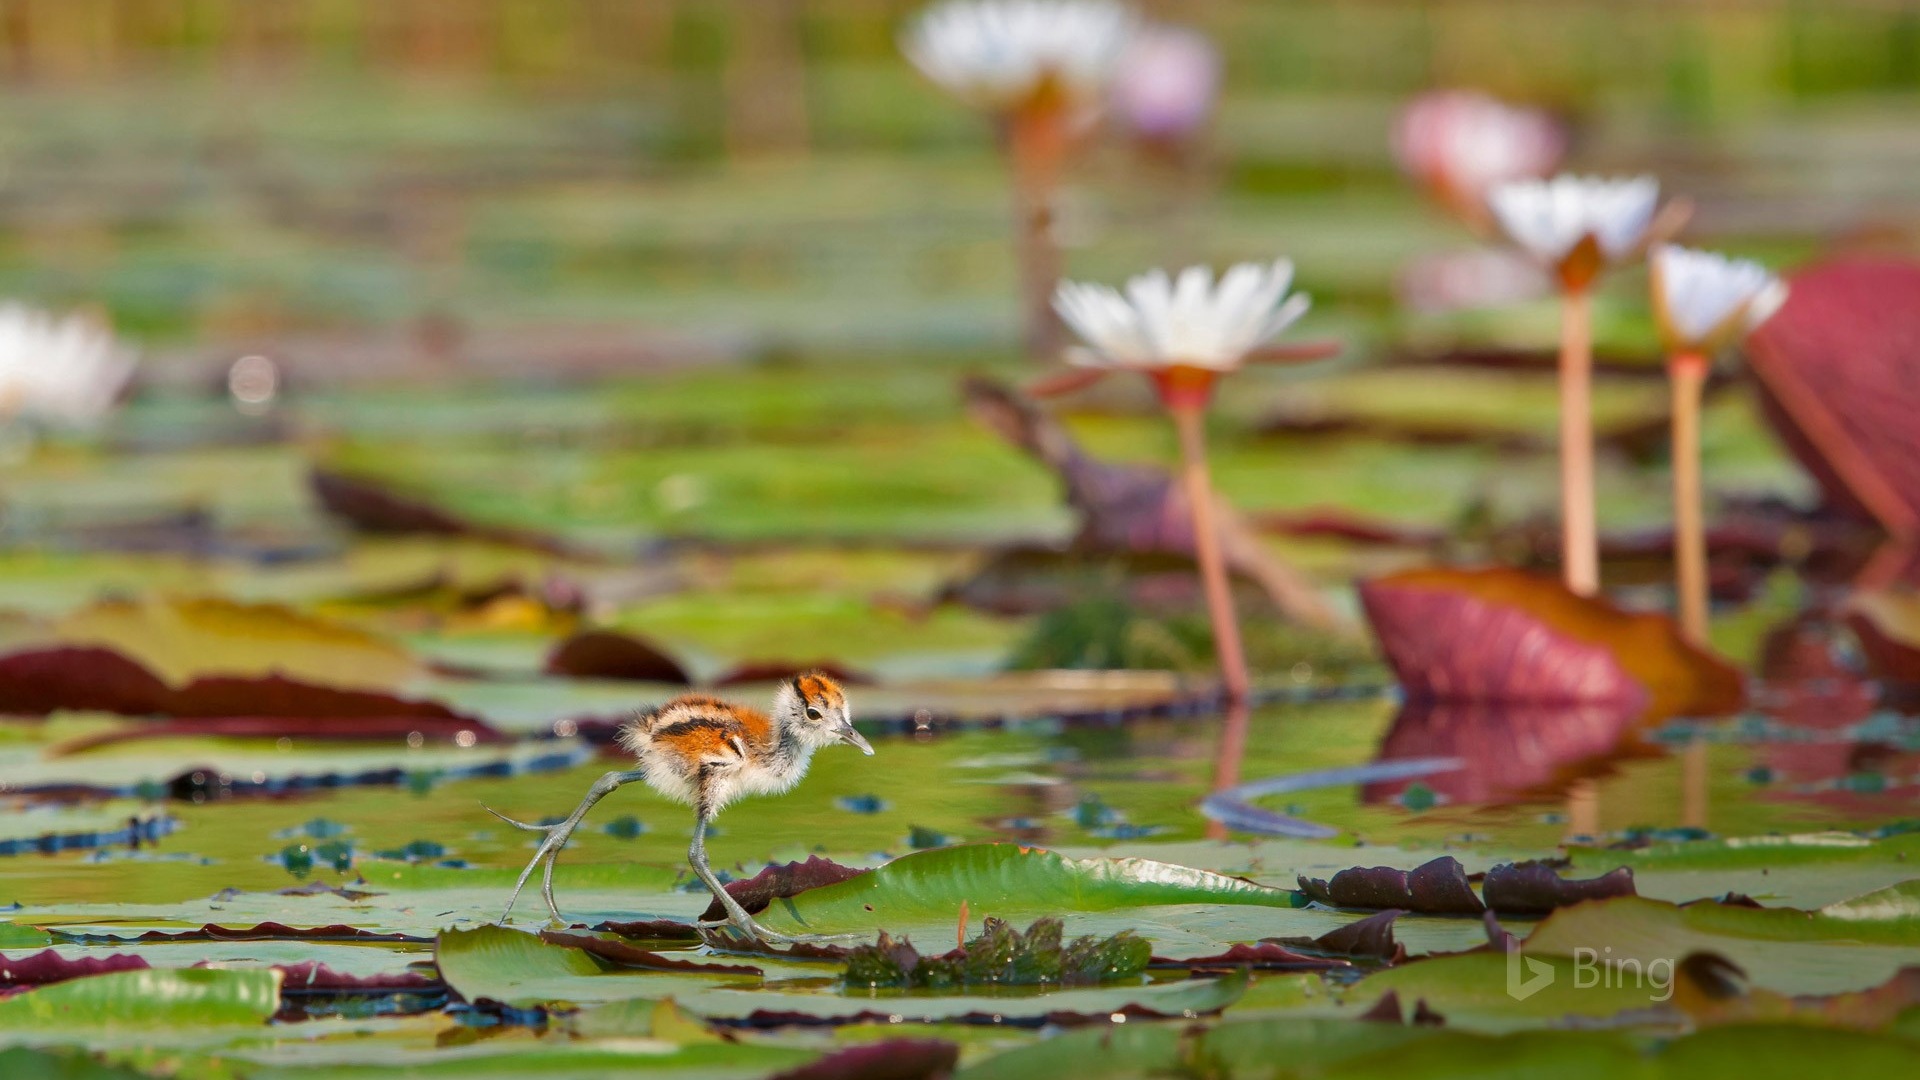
(651, 930)
(373, 507)
(1835, 367)
(1262, 956)
(1434, 888)
(266, 931)
(46, 967)
(780, 882)
(1136, 509)
(1386, 1010)
(1369, 938)
(767, 671)
(1532, 888)
(893, 1059)
(608, 654)
(1509, 637)
(39, 681)
(624, 955)
(35, 682)
(311, 976)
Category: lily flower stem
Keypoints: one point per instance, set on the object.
(1579, 539)
(1188, 420)
(1036, 147)
(1687, 373)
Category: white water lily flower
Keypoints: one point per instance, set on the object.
(1164, 322)
(1462, 143)
(1554, 219)
(1001, 54)
(1703, 300)
(59, 370)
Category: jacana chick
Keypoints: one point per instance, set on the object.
(705, 752)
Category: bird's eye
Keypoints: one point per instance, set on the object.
(813, 713)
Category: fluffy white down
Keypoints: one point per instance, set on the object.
(1549, 217)
(1701, 290)
(997, 53)
(63, 370)
(1162, 321)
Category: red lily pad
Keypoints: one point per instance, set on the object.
(370, 506)
(1369, 938)
(35, 682)
(1259, 956)
(768, 671)
(624, 955)
(42, 968)
(1510, 637)
(1438, 887)
(1533, 888)
(780, 882)
(1835, 368)
(266, 931)
(609, 654)
(891, 1059)
(313, 977)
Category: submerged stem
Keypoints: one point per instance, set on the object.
(1579, 539)
(1187, 419)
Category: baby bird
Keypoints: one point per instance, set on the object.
(705, 753)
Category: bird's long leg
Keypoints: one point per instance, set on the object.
(556, 837)
(736, 915)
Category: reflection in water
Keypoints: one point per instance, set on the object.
(1226, 763)
(1508, 753)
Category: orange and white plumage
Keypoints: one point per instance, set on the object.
(705, 752)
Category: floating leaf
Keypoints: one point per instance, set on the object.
(373, 507)
(1510, 637)
(180, 638)
(1438, 887)
(1847, 946)
(521, 969)
(891, 1059)
(42, 968)
(1005, 880)
(609, 654)
(772, 1008)
(1533, 888)
(779, 882)
(151, 998)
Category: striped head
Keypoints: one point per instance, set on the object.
(815, 709)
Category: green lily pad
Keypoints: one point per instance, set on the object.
(517, 968)
(1847, 946)
(151, 998)
(1006, 880)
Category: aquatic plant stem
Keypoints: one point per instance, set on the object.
(1188, 420)
(1687, 374)
(1037, 141)
(1579, 539)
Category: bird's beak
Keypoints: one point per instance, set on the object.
(853, 738)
